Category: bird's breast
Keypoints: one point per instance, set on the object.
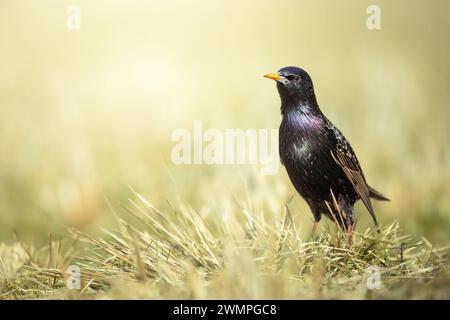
(299, 137)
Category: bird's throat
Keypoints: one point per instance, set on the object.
(303, 121)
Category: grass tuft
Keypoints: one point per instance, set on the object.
(185, 254)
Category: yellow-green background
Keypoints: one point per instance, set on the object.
(85, 114)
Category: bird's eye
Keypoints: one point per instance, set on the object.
(293, 77)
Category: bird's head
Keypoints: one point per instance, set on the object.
(295, 87)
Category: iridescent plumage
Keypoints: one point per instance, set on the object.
(318, 158)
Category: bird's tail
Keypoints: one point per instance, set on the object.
(377, 195)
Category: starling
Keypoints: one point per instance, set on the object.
(319, 160)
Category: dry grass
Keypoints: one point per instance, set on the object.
(85, 113)
(184, 254)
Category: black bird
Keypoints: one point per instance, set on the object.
(319, 160)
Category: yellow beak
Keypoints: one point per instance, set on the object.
(273, 76)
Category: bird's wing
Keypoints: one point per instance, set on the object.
(352, 170)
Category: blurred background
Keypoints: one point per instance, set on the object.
(86, 114)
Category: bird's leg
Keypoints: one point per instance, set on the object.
(350, 233)
(347, 208)
(314, 229)
(317, 216)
